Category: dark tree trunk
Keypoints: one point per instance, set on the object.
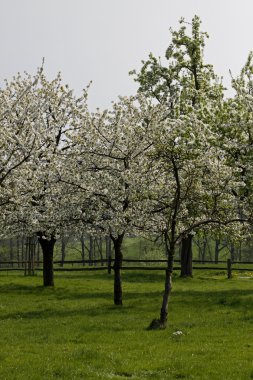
(26, 256)
(100, 249)
(232, 252)
(203, 258)
(108, 253)
(117, 242)
(91, 250)
(240, 252)
(217, 251)
(31, 251)
(47, 247)
(186, 256)
(83, 248)
(22, 251)
(63, 250)
(208, 249)
(11, 251)
(38, 254)
(18, 257)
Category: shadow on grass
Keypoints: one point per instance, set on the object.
(139, 276)
(56, 303)
(59, 293)
(47, 313)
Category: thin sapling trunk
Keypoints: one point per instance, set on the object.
(161, 323)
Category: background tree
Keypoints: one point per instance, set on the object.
(108, 172)
(19, 108)
(42, 205)
(192, 190)
(184, 84)
(237, 133)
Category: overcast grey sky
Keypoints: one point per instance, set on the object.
(102, 40)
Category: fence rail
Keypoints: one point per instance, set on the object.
(102, 261)
(107, 264)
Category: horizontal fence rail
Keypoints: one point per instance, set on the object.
(101, 261)
(108, 264)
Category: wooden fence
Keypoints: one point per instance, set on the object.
(108, 264)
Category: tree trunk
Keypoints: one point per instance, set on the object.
(108, 253)
(26, 256)
(186, 256)
(161, 323)
(47, 247)
(216, 257)
(11, 252)
(63, 250)
(83, 248)
(38, 254)
(100, 249)
(91, 250)
(204, 251)
(167, 291)
(30, 256)
(232, 252)
(117, 242)
(18, 257)
(240, 252)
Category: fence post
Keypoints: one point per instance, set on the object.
(229, 268)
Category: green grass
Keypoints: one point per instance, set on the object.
(75, 332)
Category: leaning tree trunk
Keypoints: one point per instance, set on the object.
(186, 256)
(166, 295)
(47, 247)
(117, 242)
(161, 323)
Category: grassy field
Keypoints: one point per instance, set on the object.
(75, 332)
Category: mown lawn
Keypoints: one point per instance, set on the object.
(75, 332)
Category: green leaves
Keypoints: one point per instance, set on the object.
(185, 82)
